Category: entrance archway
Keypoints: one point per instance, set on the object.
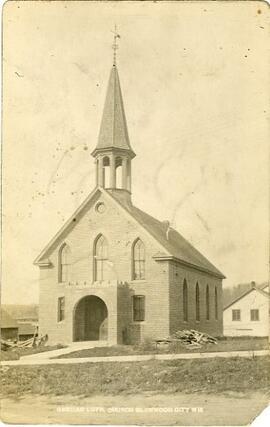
(91, 319)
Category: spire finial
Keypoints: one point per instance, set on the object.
(115, 45)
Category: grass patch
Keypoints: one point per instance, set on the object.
(186, 376)
(228, 344)
(16, 353)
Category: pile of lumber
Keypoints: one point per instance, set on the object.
(189, 338)
(193, 339)
(35, 341)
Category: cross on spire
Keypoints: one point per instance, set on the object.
(115, 45)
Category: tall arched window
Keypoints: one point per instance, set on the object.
(185, 301)
(138, 260)
(216, 304)
(100, 258)
(64, 263)
(207, 303)
(119, 172)
(197, 302)
(106, 172)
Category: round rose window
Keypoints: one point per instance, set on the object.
(100, 207)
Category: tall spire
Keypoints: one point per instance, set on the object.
(113, 129)
(113, 152)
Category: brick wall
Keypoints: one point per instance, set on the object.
(162, 287)
(177, 275)
(120, 231)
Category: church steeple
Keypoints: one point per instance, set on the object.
(113, 150)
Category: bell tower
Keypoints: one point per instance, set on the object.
(113, 153)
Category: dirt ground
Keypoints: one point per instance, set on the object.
(147, 408)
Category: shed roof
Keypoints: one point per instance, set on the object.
(27, 329)
(7, 321)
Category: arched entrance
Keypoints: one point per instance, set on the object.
(91, 319)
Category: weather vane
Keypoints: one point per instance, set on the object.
(115, 45)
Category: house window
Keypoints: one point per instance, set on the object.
(236, 315)
(185, 301)
(197, 302)
(100, 258)
(207, 303)
(216, 304)
(61, 309)
(254, 315)
(138, 308)
(138, 258)
(64, 263)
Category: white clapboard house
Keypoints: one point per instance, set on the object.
(248, 314)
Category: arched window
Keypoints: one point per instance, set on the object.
(106, 172)
(185, 300)
(138, 258)
(197, 302)
(129, 174)
(119, 172)
(64, 263)
(207, 303)
(216, 304)
(100, 258)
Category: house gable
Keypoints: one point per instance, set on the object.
(261, 291)
(247, 315)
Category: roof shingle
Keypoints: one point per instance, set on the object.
(113, 129)
(171, 240)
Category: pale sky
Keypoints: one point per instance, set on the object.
(195, 82)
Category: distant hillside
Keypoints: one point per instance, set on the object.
(230, 294)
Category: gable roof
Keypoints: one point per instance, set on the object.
(260, 289)
(41, 258)
(175, 246)
(113, 129)
(7, 321)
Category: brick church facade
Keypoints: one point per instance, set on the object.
(115, 273)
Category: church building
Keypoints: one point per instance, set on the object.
(116, 274)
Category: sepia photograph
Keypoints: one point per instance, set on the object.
(135, 212)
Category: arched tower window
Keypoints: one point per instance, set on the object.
(207, 303)
(106, 171)
(185, 300)
(216, 304)
(197, 302)
(119, 172)
(113, 140)
(64, 263)
(100, 258)
(138, 260)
